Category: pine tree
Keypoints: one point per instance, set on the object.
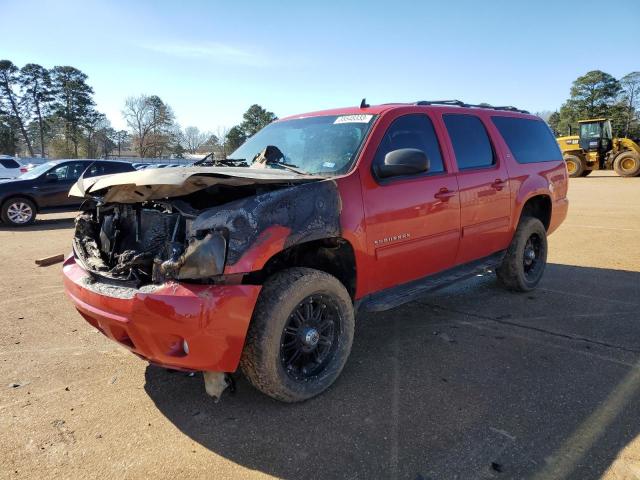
(11, 100)
(38, 95)
(73, 103)
(235, 138)
(593, 93)
(95, 124)
(8, 135)
(255, 119)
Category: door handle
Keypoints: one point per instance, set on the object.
(498, 184)
(445, 194)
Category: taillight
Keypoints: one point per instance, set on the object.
(24, 169)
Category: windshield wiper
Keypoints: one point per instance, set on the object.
(211, 161)
(231, 162)
(287, 166)
(272, 155)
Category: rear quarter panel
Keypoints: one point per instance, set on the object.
(527, 180)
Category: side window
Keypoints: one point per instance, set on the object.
(94, 170)
(9, 164)
(116, 167)
(69, 171)
(412, 131)
(107, 168)
(470, 141)
(529, 140)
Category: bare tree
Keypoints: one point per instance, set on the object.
(194, 139)
(151, 122)
(120, 137)
(631, 96)
(221, 133)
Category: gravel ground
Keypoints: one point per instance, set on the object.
(470, 382)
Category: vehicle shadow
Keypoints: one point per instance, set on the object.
(471, 382)
(41, 224)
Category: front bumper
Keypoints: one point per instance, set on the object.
(154, 322)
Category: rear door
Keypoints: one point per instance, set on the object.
(483, 181)
(412, 221)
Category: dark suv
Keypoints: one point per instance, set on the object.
(46, 188)
(262, 260)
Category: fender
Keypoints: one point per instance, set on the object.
(260, 226)
(348, 224)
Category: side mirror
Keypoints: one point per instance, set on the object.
(404, 161)
(51, 177)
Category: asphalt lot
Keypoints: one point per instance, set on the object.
(470, 382)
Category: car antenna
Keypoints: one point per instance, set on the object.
(364, 104)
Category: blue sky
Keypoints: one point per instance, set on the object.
(211, 60)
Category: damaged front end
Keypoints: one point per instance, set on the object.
(149, 242)
(170, 257)
(149, 229)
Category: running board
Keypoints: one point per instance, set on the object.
(408, 292)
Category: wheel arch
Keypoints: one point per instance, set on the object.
(538, 205)
(332, 255)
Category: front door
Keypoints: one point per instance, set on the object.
(55, 193)
(484, 188)
(413, 221)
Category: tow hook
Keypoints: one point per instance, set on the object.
(217, 382)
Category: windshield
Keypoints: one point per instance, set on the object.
(590, 130)
(35, 172)
(318, 145)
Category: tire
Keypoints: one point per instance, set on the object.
(18, 212)
(268, 357)
(575, 166)
(526, 258)
(627, 164)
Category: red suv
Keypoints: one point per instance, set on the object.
(261, 260)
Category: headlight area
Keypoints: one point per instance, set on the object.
(147, 243)
(202, 258)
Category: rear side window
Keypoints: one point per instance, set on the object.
(529, 140)
(106, 168)
(412, 131)
(9, 164)
(470, 141)
(117, 167)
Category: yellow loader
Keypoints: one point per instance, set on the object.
(596, 149)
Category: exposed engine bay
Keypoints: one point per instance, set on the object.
(145, 243)
(191, 237)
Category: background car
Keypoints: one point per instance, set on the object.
(46, 188)
(10, 167)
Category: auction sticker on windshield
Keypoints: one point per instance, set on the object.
(353, 119)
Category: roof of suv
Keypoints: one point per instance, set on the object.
(87, 160)
(432, 105)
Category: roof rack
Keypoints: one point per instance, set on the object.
(458, 103)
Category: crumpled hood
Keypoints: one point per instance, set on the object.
(154, 184)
